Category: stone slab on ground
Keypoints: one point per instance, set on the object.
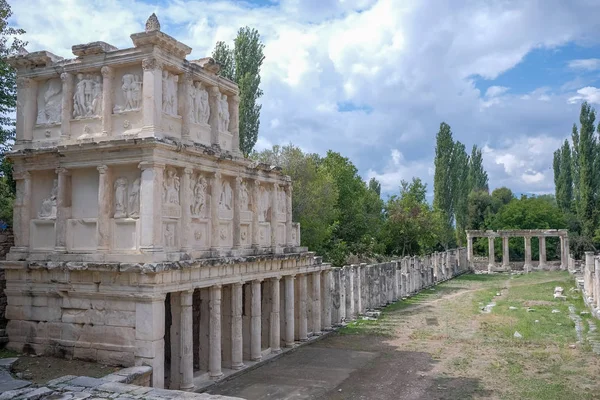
(7, 382)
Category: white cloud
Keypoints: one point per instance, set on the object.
(494, 91)
(590, 94)
(587, 64)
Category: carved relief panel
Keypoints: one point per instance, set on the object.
(49, 102)
(198, 107)
(223, 114)
(226, 200)
(171, 186)
(127, 100)
(200, 202)
(169, 93)
(264, 204)
(126, 197)
(87, 96)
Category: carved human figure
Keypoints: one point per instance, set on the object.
(87, 99)
(121, 197)
(263, 205)
(97, 96)
(244, 197)
(198, 206)
(203, 106)
(281, 201)
(134, 199)
(225, 201)
(223, 114)
(79, 97)
(169, 236)
(132, 92)
(50, 105)
(169, 92)
(48, 209)
(171, 187)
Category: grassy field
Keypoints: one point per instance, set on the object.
(546, 362)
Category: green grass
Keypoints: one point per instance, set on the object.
(4, 353)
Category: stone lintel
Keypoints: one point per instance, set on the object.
(81, 50)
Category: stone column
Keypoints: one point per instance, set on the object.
(302, 311)
(288, 217)
(492, 256)
(469, 251)
(587, 274)
(326, 299)
(505, 253)
(214, 97)
(563, 253)
(274, 213)
(151, 95)
(63, 209)
(237, 347)
(255, 323)
(527, 266)
(186, 366)
(234, 123)
(108, 75)
(22, 211)
(186, 213)
(26, 109)
(104, 197)
(151, 194)
(215, 193)
(596, 282)
(289, 310)
(149, 336)
(316, 298)
(214, 358)
(237, 210)
(255, 211)
(275, 336)
(184, 104)
(542, 246)
(67, 104)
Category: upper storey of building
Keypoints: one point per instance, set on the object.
(105, 93)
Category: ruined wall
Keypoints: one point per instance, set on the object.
(360, 287)
(6, 242)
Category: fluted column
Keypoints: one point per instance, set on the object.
(274, 214)
(527, 265)
(234, 122)
(289, 310)
(255, 323)
(67, 105)
(542, 248)
(505, 253)
(275, 336)
(26, 109)
(104, 196)
(151, 95)
(108, 76)
(184, 104)
(316, 299)
(327, 299)
(214, 97)
(63, 208)
(237, 344)
(215, 190)
(186, 213)
(237, 209)
(302, 311)
(492, 261)
(255, 211)
(151, 191)
(214, 360)
(186, 366)
(288, 215)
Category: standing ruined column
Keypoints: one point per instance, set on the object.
(214, 97)
(289, 310)
(214, 360)
(256, 321)
(542, 245)
(186, 346)
(350, 313)
(327, 299)
(63, 208)
(316, 299)
(563, 252)
(26, 109)
(67, 104)
(151, 96)
(470, 250)
(237, 344)
(302, 309)
(215, 191)
(288, 216)
(358, 305)
(108, 75)
(505, 253)
(104, 197)
(186, 214)
(151, 206)
(587, 273)
(596, 282)
(275, 336)
(492, 261)
(527, 267)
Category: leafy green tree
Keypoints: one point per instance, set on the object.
(443, 178)
(461, 191)
(500, 197)
(375, 186)
(587, 152)
(480, 210)
(575, 166)
(478, 177)
(242, 65)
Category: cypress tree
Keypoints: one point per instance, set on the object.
(586, 160)
(443, 182)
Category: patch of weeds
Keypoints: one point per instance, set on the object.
(4, 353)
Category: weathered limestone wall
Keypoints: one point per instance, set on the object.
(588, 277)
(358, 288)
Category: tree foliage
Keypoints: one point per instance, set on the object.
(478, 177)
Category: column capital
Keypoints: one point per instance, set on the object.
(150, 164)
(258, 280)
(237, 284)
(107, 72)
(151, 64)
(276, 278)
(23, 175)
(217, 175)
(217, 286)
(25, 83)
(102, 169)
(290, 277)
(63, 171)
(239, 179)
(188, 171)
(66, 77)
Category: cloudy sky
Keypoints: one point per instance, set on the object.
(373, 79)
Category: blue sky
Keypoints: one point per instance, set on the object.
(373, 79)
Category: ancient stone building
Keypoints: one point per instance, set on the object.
(142, 236)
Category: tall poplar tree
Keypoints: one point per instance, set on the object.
(478, 177)
(461, 190)
(575, 167)
(587, 152)
(443, 178)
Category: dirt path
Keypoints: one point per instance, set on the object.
(439, 345)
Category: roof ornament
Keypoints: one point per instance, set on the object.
(22, 52)
(152, 24)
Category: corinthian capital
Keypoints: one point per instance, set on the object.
(151, 64)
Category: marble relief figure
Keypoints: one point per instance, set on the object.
(121, 197)
(244, 197)
(134, 199)
(263, 204)
(50, 105)
(199, 107)
(223, 114)
(198, 206)
(169, 236)
(87, 99)
(171, 187)
(226, 199)
(169, 93)
(48, 209)
(132, 93)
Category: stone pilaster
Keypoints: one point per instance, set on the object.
(255, 323)
(215, 193)
(288, 215)
(236, 327)
(505, 253)
(151, 96)
(255, 211)
(186, 346)
(26, 109)
(274, 213)
(527, 266)
(151, 195)
(63, 209)
(22, 211)
(186, 213)
(237, 210)
(542, 249)
(185, 85)
(302, 309)
(316, 299)
(492, 261)
(104, 196)
(67, 105)
(149, 336)
(234, 123)
(326, 289)
(289, 310)
(108, 77)
(214, 96)
(214, 360)
(275, 332)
